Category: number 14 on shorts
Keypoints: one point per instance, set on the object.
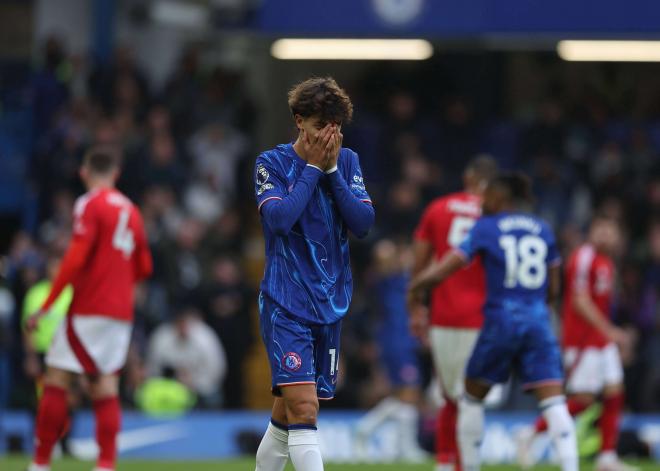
(334, 361)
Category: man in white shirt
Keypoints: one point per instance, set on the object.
(194, 351)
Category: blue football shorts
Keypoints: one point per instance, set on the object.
(516, 342)
(299, 352)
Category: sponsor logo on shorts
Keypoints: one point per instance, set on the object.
(291, 361)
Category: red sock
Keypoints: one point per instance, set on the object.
(108, 421)
(574, 408)
(52, 422)
(445, 436)
(609, 421)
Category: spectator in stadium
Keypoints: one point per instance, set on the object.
(193, 350)
(226, 304)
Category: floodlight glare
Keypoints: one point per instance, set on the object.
(351, 49)
(609, 51)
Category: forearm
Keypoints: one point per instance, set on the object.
(423, 253)
(281, 215)
(586, 308)
(437, 272)
(71, 265)
(359, 215)
(144, 265)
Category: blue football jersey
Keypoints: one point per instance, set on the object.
(308, 271)
(516, 251)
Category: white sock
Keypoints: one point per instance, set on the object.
(562, 431)
(273, 452)
(384, 410)
(607, 457)
(304, 450)
(38, 467)
(470, 431)
(407, 417)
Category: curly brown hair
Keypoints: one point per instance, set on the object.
(322, 97)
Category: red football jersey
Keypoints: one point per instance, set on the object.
(458, 301)
(118, 258)
(591, 272)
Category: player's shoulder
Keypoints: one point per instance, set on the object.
(274, 155)
(546, 227)
(272, 160)
(585, 250)
(439, 203)
(346, 157)
(583, 258)
(89, 201)
(82, 202)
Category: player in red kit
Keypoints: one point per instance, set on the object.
(455, 310)
(591, 357)
(107, 256)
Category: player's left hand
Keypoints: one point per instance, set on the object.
(335, 147)
(418, 323)
(33, 321)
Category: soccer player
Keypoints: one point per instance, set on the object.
(521, 261)
(310, 194)
(591, 357)
(455, 304)
(107, 256)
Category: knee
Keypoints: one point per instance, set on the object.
(103, 387)
(302, 410)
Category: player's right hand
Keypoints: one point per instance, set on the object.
(317, 148)
(619, 336)
(32, 366)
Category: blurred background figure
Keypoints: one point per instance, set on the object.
(398, 355)
(191, 349)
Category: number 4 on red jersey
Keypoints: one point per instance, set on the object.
(108, 254)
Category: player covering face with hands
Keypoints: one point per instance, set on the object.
(310, 194)
(521, 262)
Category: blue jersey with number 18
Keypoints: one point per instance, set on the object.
(516, 249)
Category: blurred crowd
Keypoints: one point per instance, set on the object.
(189, 152)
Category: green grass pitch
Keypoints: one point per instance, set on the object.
(19, 463)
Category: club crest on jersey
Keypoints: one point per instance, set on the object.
(291, 361)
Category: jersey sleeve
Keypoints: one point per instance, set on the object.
(356, 180)
(475, 241)
(424, 230)
(268, 184)
(584, 261)
(85, 220)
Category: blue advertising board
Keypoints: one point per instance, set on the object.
(438, 18)
(221, 435)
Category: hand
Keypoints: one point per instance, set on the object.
(333, 154)
(316, 149)
(419, 320)
(32, 366)
(33, 321)
(618, 336)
